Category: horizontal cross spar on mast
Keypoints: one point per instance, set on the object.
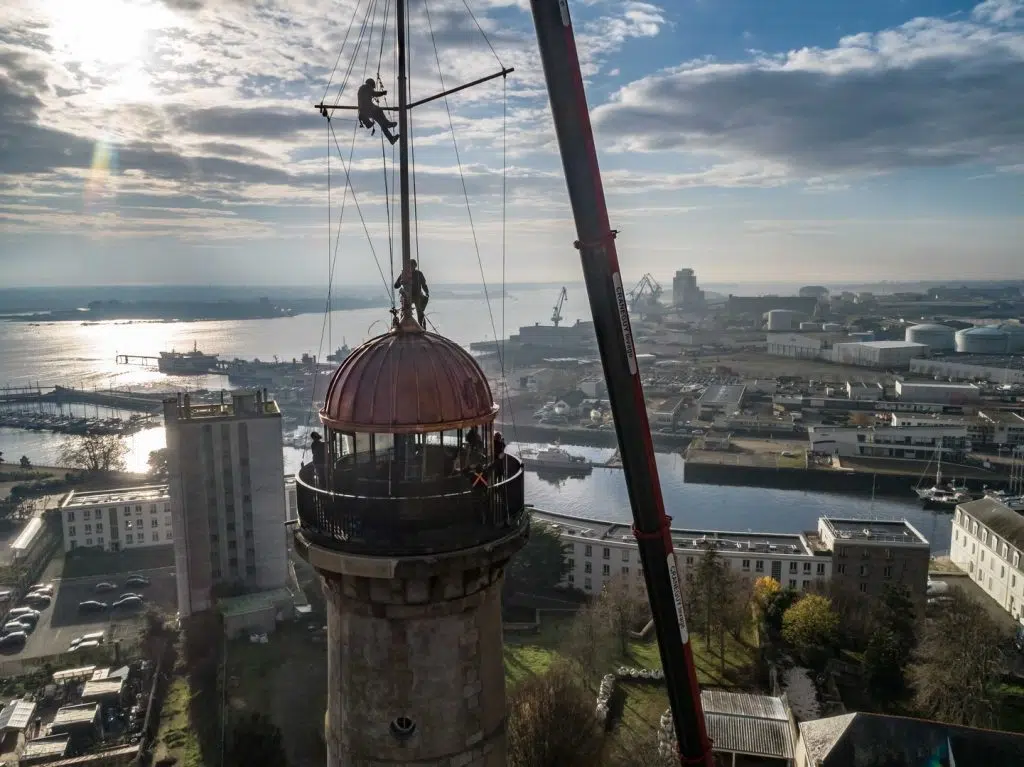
(503, 73)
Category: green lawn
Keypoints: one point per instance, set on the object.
(642, 703)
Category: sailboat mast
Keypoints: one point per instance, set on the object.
(403, 157)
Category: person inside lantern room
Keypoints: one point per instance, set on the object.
(499, 456)
(319, 450)
(419, 293)
(371, 112)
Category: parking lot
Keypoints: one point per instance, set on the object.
(62, 621)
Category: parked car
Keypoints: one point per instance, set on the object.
(14, 626)
(37, 599)
(43, 588)
(128, 601)
(14, 638)
(129, 594)
(18, 612)
(136, 580)
(92, 606)
(105, 586)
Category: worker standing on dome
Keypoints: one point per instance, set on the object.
(419, 294)
(370, 112)
(499, 456)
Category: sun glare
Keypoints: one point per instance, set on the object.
(104, 33)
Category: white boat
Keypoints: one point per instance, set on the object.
(555, 459)
(939, 495)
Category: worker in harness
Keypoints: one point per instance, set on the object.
(371, 112)
(419, 293)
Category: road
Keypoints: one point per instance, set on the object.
(62, 621)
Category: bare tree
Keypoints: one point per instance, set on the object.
(95, 453)
(590, 643)
(959, 665)
(551, 722)
(622, 608)
(636, 749)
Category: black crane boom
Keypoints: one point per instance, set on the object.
(625, 391)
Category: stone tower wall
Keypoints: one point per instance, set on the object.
(422, 648)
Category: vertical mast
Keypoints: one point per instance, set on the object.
(403, 159)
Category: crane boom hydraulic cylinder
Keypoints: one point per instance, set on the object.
(615, 340)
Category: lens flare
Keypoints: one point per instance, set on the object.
(102, 182)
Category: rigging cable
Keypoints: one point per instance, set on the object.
(341, 51)
(465, 191)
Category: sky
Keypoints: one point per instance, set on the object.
(176, 141)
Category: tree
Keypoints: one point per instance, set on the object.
(551, 722)
(959, 664)
(541, 564)
(890, 646)
(766, 589)
(778, 602)
(94, 453)
(590, 645)
(25, 462)
(158, 463)
(255, 742)
(621, 607)
(811, 624)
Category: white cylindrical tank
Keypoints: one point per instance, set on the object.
(1015, 337)
(938, 338)
(832, 327)
(810, 327)
(990, 339)
(783, 319)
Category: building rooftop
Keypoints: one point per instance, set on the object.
(691, 540)
(747, 724)
(144, 494)
(876, 740)
(73, 674)
(1001, 361)
(100, 688)
(1002, 416)
(84, 713)
(891, 344)
(41, 748)
(997, 517)
(938, 385)
(243, 404)
(873, 530)
(17, 714)
(249, 603)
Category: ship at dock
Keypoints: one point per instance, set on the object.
(534, 344)
(193, 363)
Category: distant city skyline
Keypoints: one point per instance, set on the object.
(754, 143)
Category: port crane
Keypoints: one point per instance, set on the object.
(608, 304)
(557, 316)
(643, 298)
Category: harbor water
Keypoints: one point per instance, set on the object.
(73, 354)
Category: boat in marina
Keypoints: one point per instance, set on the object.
(942, 496)
(556, 459)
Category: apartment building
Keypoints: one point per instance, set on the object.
(600, 551)
(868, 555)
(114, 520)
(226, 481)
(987, 544)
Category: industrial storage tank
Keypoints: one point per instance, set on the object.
(990, 339)
(938, 338)
(783, 319)
(1015, 337)
(832, 327)
(810, 327)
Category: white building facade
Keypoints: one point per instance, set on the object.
(226, 480)
(599, 552)
(115, 520)
(988, 544)
(920, 443)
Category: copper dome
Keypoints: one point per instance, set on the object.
(408, 381)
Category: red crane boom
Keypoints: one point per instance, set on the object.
(625, 391)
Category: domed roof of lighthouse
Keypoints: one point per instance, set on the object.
(408, 381)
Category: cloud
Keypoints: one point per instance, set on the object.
(930, 93)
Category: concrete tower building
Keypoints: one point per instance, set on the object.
(685, 293)
(226, 485)
(410, 523)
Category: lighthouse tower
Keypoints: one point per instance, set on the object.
(410, 522)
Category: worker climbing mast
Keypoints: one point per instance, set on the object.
(615, 340)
